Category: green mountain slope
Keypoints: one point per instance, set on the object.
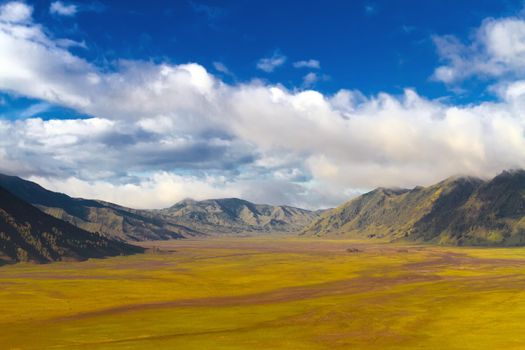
(460, 211)
(96, 216)
(233, 215)
(28, 234)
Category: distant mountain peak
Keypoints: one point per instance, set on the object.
(185, 201)
(230, 215)
(516, 174)
(459, 179)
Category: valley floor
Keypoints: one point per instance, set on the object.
(270, 293)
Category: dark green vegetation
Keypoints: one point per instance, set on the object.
(457, 211)
(233, 215)
(27, 234)
(187, 218)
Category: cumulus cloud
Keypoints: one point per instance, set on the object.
(62, 9)
(268, 64)
(313, 64)
(162, 132)
(157, 191)
(15, 12)
(497, 50)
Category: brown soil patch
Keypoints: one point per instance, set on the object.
(351, 286)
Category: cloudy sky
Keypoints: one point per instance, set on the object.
(146, 104)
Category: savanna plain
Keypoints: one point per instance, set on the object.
(270, 293)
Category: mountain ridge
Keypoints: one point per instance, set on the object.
(107, 218)
(28, 234)
(457, 210)
(181, 220)
(235, 215)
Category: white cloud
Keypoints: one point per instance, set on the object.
(385, 140)
(62, 9)
(67, 43)
(221, 67)
(162, 132)
(310, 79)
(497, 50)
(160, 190)
(15, 12)
(34, 65)
(313, 64)
(269, 64)
(35, 109)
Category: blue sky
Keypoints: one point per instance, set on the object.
(372, 46)
(301, 103)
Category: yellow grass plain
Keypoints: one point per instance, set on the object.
(270, 293)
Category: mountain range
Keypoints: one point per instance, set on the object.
(187, 218)
(233, 215)
(41, 225)
(456, 211)
(109, 219)
(28, 234)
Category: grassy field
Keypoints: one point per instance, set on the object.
(270, 293)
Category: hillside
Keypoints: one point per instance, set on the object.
(95, 216)
(28, 234)
(187, 218)
(459, 211)
(233, 215)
